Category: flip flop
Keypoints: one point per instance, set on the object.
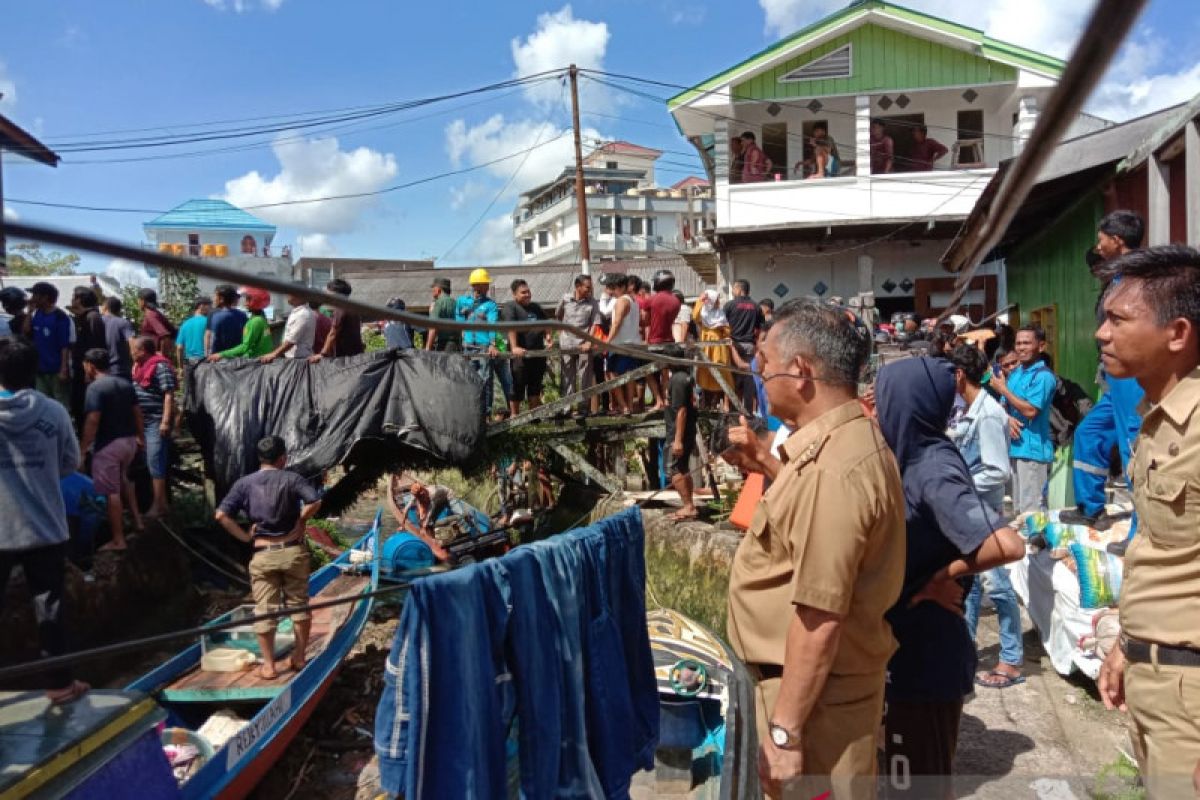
(1007, 680)
(70, 694)
(679, 516)
(266, 677)
(111, 548)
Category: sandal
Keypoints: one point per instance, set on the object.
(68, 694)
(1000, 680)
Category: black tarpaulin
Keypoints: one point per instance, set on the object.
(398, 403)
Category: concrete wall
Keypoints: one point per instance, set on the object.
(231, 239)
(800, 267)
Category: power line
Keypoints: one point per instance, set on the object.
(351, 196)
(242, 132)
(500, 193)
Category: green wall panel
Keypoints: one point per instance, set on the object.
(881, 60)
(1050, 270)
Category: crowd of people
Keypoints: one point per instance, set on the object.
(881, 536)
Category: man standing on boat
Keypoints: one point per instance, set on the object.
(278, 503)
(821, 563)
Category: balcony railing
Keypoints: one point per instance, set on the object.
(213, 250)
(834, 201)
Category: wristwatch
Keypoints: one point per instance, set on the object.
(783, 738)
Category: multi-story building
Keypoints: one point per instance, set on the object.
(864, 229)
(629, 216)
(215, 229)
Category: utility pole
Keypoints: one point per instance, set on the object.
(585, 250)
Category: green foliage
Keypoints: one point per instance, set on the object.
(177, 294)
(1117, 780)
(27, 258)
(129, 303)
(698, 589)
(373, 339)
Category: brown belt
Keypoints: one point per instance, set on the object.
(766, 672)
(1140, 652)
(278, 545)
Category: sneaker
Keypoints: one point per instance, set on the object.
(1076, 516)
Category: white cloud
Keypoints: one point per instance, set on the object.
(494, 244)
(559, 41)
(129, 273)
(10, 213)
(1047, 28)
(496, 137)
(242, 6)
(1140, 82)
(315, 244)
(7, 88)
(461, 195)
(311, 168)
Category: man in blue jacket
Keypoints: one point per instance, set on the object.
(477, 306)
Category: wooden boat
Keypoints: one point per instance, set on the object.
(273, 711)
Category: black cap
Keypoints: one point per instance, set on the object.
(201, 301)
(442, 283)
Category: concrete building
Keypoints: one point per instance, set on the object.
(863, 230)
(629, 216)
(317, 271)
(215, 229)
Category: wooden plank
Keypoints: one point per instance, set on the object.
(200, 685)
(591, 473)
(565, 404)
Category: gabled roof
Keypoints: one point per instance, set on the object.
(689, 181)
(966, 38)
(209, 215)
(628, 148)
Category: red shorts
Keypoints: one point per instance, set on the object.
(110, 464)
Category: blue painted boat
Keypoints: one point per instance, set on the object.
(268, 714)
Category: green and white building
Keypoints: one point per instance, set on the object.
(860, 232)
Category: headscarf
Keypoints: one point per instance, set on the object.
(712, 315)
(914, 398)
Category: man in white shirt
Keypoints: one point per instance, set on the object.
(298, 333)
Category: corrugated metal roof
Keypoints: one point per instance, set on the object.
(547, 282)
(211, 215)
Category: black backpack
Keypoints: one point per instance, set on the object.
(1068, 407)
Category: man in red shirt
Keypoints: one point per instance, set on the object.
(755, 164)
(663, 308)
(154, 323)
(925, 151)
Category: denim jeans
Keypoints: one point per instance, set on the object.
(483, 366)
(998, 585)
(554, 634)
(440, 723)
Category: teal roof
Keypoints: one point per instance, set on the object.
(209, 215)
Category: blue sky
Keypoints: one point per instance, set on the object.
(72, 69)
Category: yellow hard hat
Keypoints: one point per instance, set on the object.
(479, 276)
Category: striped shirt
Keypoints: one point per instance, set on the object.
(151, 398)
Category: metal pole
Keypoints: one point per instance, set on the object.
(585, 250)
(3, 238)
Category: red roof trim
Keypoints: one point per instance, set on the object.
(627, 147)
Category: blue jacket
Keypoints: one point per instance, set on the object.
(470, 309)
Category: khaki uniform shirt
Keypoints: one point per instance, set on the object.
(1160, 596)
(829, 534)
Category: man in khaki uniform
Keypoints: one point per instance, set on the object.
(1151, 332)
(821, 563)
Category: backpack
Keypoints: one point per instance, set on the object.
(1069, 405)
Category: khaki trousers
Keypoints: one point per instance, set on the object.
(839, 739)
(1164, 703)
